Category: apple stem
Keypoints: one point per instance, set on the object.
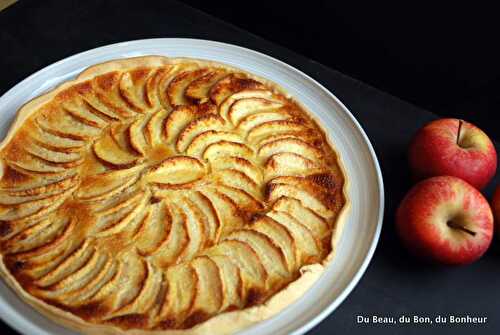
(454, 225)
(460, 122)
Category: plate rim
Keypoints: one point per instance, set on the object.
(22, 324)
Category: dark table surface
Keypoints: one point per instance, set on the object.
(34, 34)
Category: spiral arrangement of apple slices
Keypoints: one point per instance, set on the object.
(159, 197)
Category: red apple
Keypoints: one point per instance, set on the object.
(445, 220)
(495, 205)
(452, 147)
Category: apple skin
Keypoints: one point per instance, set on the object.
(495, 206)
(452, 147)
(445, 220)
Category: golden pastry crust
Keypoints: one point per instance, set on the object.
(157, 195)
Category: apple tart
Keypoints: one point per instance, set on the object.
(154, 194)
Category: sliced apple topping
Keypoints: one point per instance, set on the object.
(62, 124)
(249, 106)
(176, 170)
(272, 128)
(227, 148)
(253, 120)
(308, 247)
(54, 142)
(136, 135)
(176, 241)
(154, 127)
(209, 291)
(290, 145)
(244, 94)
(201, 141)
(239, 180)
(132, 88)
(109, 152)
(226, 209)
(232, 282)
(208, 210)
(317, 224)
(198, 89)
(243, 199)
(182, 288)
(107, 91)
(146, 296)
(196, 127)
(176, 88)
(281, 237)
(253, 272)
(85, 114)
(52, 156)
(156, 87)
(240, 164)
(154, 229)
(231, 84)
(178, 120)
(196, 230)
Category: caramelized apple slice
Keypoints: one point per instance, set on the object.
(108, 151)
(272, 128)
(226, 209)
(208, 299)
(136, 135)
(182, 290)
(178, 120)
(270, 255)
(176, 88)
(201, 141)
(196, 230)
(232, 283)
(196, 127)
(198, 89)
(155, 126)
(281, 237)
(231, 84)
(132, 88)
(176, 170)
(154, 229)
(208, 210)
(244, 94)
(253, 120)
(308, 248)
(295, 146)
(249, 106)
(288, 164)
(240, 164)
(226, 148)
(84, 113)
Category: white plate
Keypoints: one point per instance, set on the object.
(364, 222)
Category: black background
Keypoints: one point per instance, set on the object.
(361, 42)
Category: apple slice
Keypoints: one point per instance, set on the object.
(270, 255)
(249, 106)
(132, 88)
(176, 87)
(238, 180)
(290, 145)
(252, 271)
(273, 128)
(227, 148)
(244, 94)
(240, 164)
(154, 229)
(136, 135)
(156, 87)
(231, 84)
(176, 171)
(253, 120)
(307, 198)
(245, 201)
(288, 164)
(105, 274)
(196, 127)
(155, 126)
(178, 119)
(52, 156)
(208, 210)
(226, 209)
(281, 237)
(109, 152)
(308, 248)
(209, 291)
(196, 230)
(311, 220)
(83, 113)
(201, 141)
(182, 289)
(60, 123)
(145, 298)
(106, 89)
(198, 89)
(232, 283)
(54, 142)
